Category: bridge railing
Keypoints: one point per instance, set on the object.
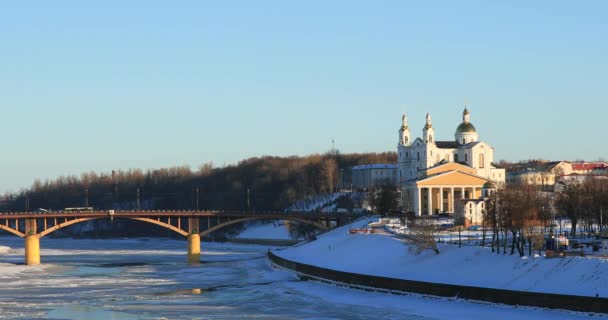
(184, 212)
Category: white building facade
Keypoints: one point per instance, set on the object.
(374, 175)
(435, 175)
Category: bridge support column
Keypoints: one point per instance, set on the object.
(32, 250)
(194, 248)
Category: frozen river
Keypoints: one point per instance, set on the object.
(149, 279)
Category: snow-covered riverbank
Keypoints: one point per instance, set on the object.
(386, 256)
(145, 279)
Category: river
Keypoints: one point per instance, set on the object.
(132, 279)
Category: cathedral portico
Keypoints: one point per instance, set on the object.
(436, 176)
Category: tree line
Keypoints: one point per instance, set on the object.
(522, 216)
(260, 183)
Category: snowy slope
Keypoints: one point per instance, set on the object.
(385, 256)
(319, 202)
(276, 231)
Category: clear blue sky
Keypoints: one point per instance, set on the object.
(101, 85)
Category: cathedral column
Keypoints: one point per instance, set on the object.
(462, 192)
(441, 200)
(418, 206)
(452, 200)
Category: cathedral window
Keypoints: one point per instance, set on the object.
(466, 157)
(418, 155)
(482, 162)
(455, 158)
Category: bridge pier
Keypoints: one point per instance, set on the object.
(32, 250)
(194, 248)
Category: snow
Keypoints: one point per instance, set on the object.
(375, 166)
(319, 202)
(86, 279)
(425, 307)
(275, 231)
(387, 256)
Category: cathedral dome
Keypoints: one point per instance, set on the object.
(466, 127)
(466, 132)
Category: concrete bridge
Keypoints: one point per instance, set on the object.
(191, 224)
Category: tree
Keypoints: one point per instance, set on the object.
(330, 174)
(384, 199)
(205, 169)
(423, 236)
(570, 202)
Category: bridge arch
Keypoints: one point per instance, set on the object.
(79, 220)
(231, 222)
(13, 231)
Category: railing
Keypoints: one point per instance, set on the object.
(181, 212)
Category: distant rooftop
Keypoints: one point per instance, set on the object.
(588, 166)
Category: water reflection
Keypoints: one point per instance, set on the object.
(196, 291)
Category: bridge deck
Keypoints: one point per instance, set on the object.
(169, 213)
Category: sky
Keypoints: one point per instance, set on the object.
(102, 85)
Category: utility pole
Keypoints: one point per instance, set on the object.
(138, 203)
(86, 197)
(27, 202)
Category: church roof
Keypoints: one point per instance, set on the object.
(466, 127)
(447, 144)
(453, 177)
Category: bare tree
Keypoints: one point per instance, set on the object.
(330, 173)
(423, 236)
(205, 169)
(570, 202)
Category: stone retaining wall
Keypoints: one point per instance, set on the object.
(510, 297)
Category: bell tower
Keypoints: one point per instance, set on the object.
(404, 133)
(428, 132)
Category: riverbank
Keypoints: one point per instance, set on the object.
(144, 279)
(386, 256)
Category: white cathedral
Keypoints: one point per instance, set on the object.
(446, 176)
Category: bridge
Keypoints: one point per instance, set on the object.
(191, 224)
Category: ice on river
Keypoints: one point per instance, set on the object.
(149, 279)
